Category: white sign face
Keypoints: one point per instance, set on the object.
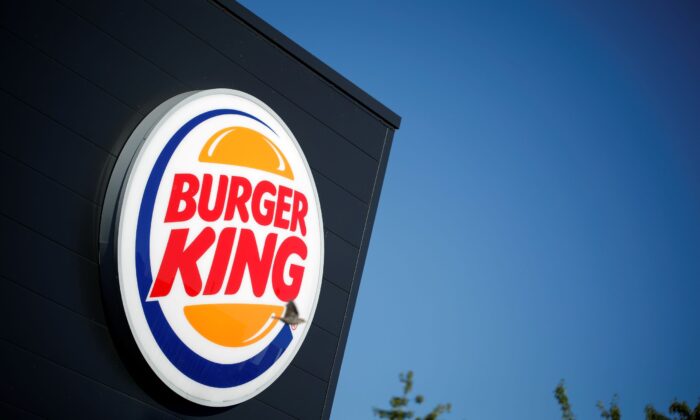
(219, 228)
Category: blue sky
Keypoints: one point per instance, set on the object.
(540, 216)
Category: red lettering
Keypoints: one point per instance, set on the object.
(233, 196)
(264, 219)
(258, 265)
(299, 210)
(177, 257)
(286, 292)
(178, 195)
(282, 207)
(219, 264)
(239, 194)
(207, 214)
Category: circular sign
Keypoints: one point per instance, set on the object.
(218, 238)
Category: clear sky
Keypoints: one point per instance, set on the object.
(540, 216)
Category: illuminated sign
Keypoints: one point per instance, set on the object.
(218, 227)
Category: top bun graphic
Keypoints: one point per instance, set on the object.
(242, 146)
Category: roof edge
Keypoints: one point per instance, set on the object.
(309, 60)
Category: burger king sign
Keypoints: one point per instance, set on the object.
(217, 241)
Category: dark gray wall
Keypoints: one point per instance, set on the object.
(76, 77)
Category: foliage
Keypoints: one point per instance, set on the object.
(612, 413)
(563, 400)
(680, 410)
(400, 405)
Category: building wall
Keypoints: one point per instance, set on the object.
(76, 77)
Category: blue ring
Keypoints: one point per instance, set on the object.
(187, 361)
